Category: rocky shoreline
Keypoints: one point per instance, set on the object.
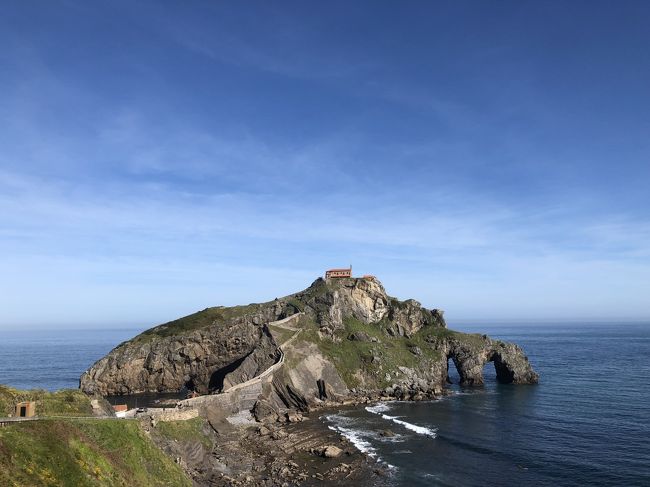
(292, 449)
(299, 451)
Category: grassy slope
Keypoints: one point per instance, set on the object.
(182, 431)
(66, 402)
(352, 356)
(83, 453)
(280, 335)
(196, 321)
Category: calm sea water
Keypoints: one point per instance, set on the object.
(53, 359)
(586, 423)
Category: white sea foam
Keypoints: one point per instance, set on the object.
(356, 437)
(338, 419)
(388, 439)
(421, 430)
(381, 408)
(378, 408)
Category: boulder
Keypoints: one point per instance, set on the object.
(332, 451)
(327, 451)
(265, 412)
(294, 417)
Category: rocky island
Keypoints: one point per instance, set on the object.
(347, 333)
(339, 342)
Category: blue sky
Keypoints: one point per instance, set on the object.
(487, 158)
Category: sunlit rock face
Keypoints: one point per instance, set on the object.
(170, 364)
(364, 299)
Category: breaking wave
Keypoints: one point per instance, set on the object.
(421, 430)
(381, 408)
(355, 436)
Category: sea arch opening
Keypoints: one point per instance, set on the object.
(453, 376)
(504, 373)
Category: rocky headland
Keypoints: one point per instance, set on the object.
(352, 335)
(339, 342)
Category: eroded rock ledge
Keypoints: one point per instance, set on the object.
(348, 336)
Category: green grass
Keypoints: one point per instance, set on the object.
(435, 333)
(188, 430)
(299, 305)
(66, 402)
(352, 356)
(83, 453)
(348, 357)
(196, 321)
(280, 335)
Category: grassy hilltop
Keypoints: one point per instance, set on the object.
(66, 402)
(80, 452)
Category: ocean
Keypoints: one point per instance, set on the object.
(53, 359)
(586, 423)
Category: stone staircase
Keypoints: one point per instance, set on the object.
(242, 396)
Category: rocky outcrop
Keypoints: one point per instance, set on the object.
(330, 302)
(351, 337)
(261, 358)
(470, 356)
(203, 360)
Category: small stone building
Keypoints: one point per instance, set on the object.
(120, 410)
(26, 409)
(338, 273)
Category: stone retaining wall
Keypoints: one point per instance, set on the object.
(173, 414)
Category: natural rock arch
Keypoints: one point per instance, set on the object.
(510, 362)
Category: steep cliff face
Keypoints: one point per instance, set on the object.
(202, 359)
(351, 337)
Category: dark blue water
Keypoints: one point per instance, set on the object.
(586, 423)
(53, 359)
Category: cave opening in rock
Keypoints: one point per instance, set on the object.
(188, 388)
(453, 377)
(218, 376)
(504, 374)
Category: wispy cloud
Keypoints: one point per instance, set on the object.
(214, 156)
(160, 235)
